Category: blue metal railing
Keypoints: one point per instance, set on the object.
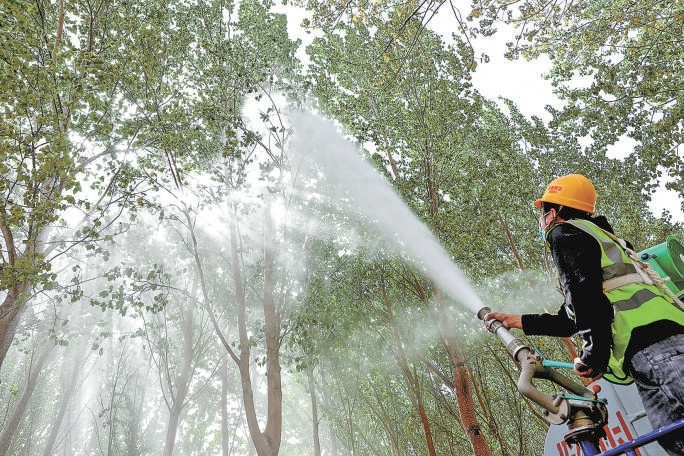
(628, 448)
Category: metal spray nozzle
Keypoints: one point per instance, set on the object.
(482, 312)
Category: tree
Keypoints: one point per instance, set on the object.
(68, 90)
(252, 61)
(135, 178)
(180, 340)
(617, 67)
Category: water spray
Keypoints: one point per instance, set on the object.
(319, 145)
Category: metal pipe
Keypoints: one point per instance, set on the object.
(512, 343)
(589, 448)
(531, 367)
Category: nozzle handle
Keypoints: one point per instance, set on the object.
(561, 364)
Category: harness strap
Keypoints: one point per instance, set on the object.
(621, 281)
(647, 273)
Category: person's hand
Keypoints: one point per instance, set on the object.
(508, 320)
(586, 371)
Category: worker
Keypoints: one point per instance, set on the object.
(630, 330)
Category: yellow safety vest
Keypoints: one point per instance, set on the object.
(635, 302)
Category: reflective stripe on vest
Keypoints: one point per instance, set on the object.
(634, 304)
(614, 260)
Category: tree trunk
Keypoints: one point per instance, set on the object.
(274, 420)
(181, 382)
(511, 242)
(69, 390)
(462, 385)
(267, 443)
(411, 381)
(462, 388)
(314, 411)
(8, 434)
(10, 311)
(225, 432)
(171, 429)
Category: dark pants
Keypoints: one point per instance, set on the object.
(658, 371)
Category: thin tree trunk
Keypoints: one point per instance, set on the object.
(412, 383)
(182, 381)
(171, 429)
(10, 311)
(69, 391)
(274, 420)
(9, 433)
(464, 395)
(314, 410)
(462, 385)
(509, 237)
(112, 405)
(387, 420)
(225, 432)
(333, 441)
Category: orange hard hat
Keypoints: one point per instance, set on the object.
(573, 190)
